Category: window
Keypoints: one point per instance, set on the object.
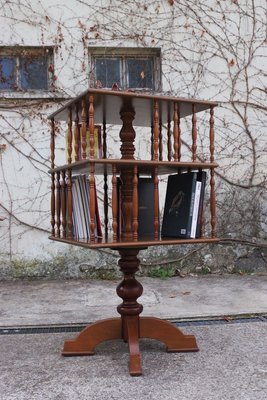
(26, 69)
(127, 67)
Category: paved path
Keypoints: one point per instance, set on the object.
(45, 302)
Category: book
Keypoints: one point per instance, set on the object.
(98, 147)
(195, 209)
(179, 205)
(146, 208)
(80, 209)
(202, 176)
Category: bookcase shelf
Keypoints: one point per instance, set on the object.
(145, 167)
(77, 186)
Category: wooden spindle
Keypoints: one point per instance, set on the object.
(135, 204)
(175, 132)
(91, 127)
(179, 132)
(160, 141)
(212, 176)
(52, 149)
(58, 208)
(152, 140)
(63, 203)
(77, 134)
(114, 204)
(84, 128)
(194, 133)
(69, 201)
(69, 135)
(156, 204)
(105, 180)
(156, 131)
(169, 141)
(92, 202)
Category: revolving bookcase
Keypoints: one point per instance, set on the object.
(123, 116)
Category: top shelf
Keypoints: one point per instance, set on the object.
(145, 167)
(108, 103)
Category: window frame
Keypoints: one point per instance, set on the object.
(17, 53)
(125, 53)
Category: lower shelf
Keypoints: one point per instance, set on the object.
(108, 243)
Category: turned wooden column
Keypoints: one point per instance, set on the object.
(127, 136)
(129, 290)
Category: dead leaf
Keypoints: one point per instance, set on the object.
(186, 293)
(228, 319)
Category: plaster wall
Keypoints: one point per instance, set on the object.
(215, 50)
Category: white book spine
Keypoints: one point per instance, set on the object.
(195, 210)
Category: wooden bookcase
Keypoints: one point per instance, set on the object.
(161, 117)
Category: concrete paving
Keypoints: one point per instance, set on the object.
(56, 302)
(231, 363)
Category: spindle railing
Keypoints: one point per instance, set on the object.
(81, 151)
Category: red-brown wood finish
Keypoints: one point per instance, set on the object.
(169, 140)
(92, 202)
(69, 196)
(105, 202)
(156, 131)
(130, 326)
(175, 132)
(135, 204)
(52, 151)
(58, 208)
(63, 203)
(70, 135)
(212, 177)
(84, 127)
(77, 133)
(114, 204)
(91, 126)
(127, 136)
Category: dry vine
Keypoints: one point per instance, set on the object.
(210, 49)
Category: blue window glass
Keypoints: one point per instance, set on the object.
(108, 71)
(7, 73)
(34, 73)
(140, 73)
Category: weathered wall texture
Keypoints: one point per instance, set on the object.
(215, 50)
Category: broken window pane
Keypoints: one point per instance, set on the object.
(34, 73)
(108, 71)
(140, 73)
(7, 73)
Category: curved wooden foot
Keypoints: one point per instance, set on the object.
(132, 333)
(164, 331)
(92, 335)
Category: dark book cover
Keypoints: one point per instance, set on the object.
(179, 202)
(146, 208)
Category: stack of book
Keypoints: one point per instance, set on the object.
(184, 205)
(80, 209)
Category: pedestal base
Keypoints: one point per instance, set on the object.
(132, 329)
